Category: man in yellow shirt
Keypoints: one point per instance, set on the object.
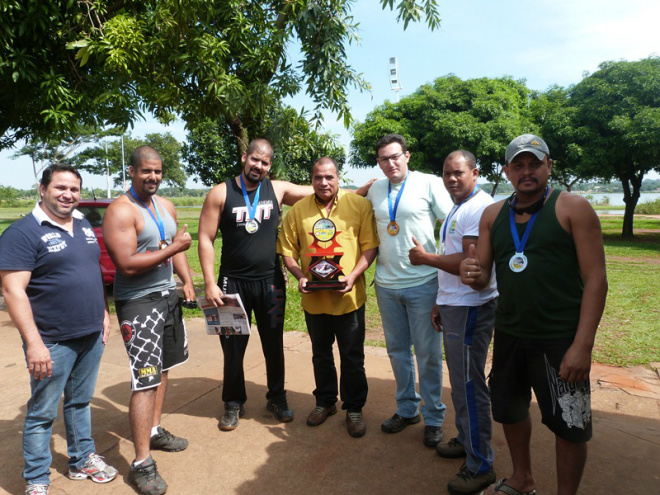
(328, 240)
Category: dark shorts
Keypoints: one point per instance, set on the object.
(154, 333)
(520, 365)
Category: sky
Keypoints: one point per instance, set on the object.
(544, 43)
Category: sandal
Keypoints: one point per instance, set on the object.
(501, 486)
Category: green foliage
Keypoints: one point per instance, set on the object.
(619, 105)
(480, 115)
(44, 152)
(103, 61)
(45, 93)
(93, 159)
(557, 121)
(649, 208)
(211, 150)
(8, 196)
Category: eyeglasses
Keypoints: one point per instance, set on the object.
(394, 158)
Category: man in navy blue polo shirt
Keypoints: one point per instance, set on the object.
(53, 288)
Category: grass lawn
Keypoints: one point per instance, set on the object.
(629, 333)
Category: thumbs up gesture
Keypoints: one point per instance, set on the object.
(417, 253)
(470, 269)
(182, 240)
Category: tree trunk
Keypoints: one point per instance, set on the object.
(630, 198)
(241, 136)
(497, 183)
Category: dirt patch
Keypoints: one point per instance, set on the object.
(646, 261)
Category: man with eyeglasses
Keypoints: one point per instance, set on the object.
(406, 206)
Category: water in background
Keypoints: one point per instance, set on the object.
(616, 199)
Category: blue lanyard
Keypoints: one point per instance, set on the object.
(453, 211)
(251, 208)
(398, 197)
(159, 222)
(520, 244)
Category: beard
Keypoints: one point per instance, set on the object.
(251, 179)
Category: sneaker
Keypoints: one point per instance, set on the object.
(397, 423)
(145, 478)
(280, 410)
(95, 469)
(319, 414)
(355, 423)
(453, 449)
(34, 489)
(164, 440)
(229, 421)
(468, 483)
(432, 435)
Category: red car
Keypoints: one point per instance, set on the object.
(94, 209)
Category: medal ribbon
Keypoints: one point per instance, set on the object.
(159, 222)
(520, 244)
(452, 212)
(251, 208)
(398, 197)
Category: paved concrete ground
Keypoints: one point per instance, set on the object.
(265, 457)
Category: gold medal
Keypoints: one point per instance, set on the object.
(162, 245)
(393, 228)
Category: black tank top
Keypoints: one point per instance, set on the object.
(244, 255)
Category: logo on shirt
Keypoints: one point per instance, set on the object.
(148, 371)
(54, 242)
(89, 234)
(452, 227)
(127, 331)
(262, 213)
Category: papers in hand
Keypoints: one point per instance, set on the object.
(229, 319)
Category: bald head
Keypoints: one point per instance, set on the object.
(142, 154)
(260, 145)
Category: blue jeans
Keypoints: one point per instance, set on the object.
(406, 315)
(75, 368)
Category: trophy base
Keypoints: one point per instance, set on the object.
(325, 285)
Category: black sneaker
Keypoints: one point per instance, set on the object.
(229, 421)
(280, 410)
(145, 478)
(164, 440)
(397, 423)
(453, 449)
(432, 435)
(468, 483)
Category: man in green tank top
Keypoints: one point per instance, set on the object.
(547, 249)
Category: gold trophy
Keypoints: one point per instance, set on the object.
(325, 267)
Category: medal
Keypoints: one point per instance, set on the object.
(251, 226)
(518, 262)
(393, 228)
(162, 244)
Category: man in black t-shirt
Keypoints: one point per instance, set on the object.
(246, 209)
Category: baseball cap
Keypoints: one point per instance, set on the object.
(526, 142)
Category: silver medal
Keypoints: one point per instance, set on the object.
(251, 226)
(518, 262)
